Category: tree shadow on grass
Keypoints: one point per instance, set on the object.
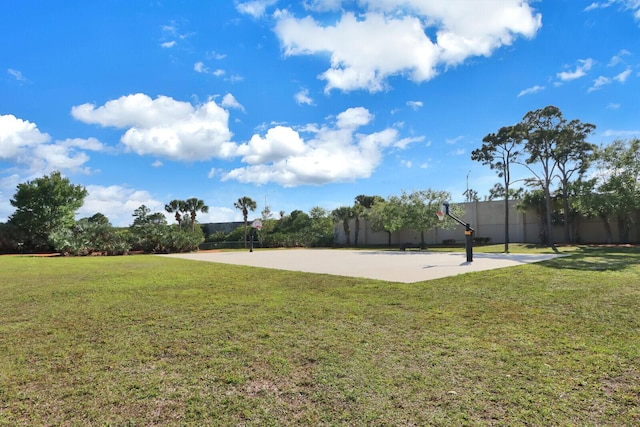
(598, 258)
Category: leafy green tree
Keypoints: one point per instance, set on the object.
(245, 204)
(415, 211)
(318, 212)
(537, 201)
(559, 149)
(587, 202)
(156, 218)
(140, 216)
(420, 209)
(573, 156)
(387, 215)
(194, 205)
(45, 205)
(150, 233)
(266, 213)
(176, 207)
(11, 239)
(543, 130)
(99, 218)
(500, 150)
(321, 227)
(497, 192)
(299, 229)
(368, 201)
(344, 214)
(298, 221)
(619, 165)
(143, 216)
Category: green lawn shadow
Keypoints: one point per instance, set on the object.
(597, 258)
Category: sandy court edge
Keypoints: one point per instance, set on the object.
(403, 267)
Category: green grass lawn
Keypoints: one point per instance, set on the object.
(144, 340)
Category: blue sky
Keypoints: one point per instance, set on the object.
(295, 104)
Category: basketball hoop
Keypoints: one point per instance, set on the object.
(444, 210)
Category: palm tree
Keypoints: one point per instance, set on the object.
(176, 206)
(193, 206)
(344, 214)
(359, 211)
(361, 208)
(245, 204)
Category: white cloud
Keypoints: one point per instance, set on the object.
(322, 5)
(216, 55)
(51, 157)
(200, 68)
(302, 97)
(8, 187)
(453, 141)
(619, 58)
(405, 142)
(415, 105)
(91, 144)
(219, 214)
(623, 76)
(599, 83)
(580, 70)
(621, 133)
(17, 75)
(30, 153)
(278, 143)
(353, 118)
(165, 127)
(631, 5)
(229, 101)
(255, 8)
(17, 136)
(332, 153)
(531, 90)
(25, 146)
(233, 79)
(599, 5)
(117, 203)
(401, 46)
(389, 37)
(168, 45)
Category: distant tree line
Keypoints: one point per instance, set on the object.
(569, 177)
(415, 210)
(44, 221)
(297, 229)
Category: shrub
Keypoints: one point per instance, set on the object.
(86, 238)
(151, 238)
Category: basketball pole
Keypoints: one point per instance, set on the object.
(468, 232)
